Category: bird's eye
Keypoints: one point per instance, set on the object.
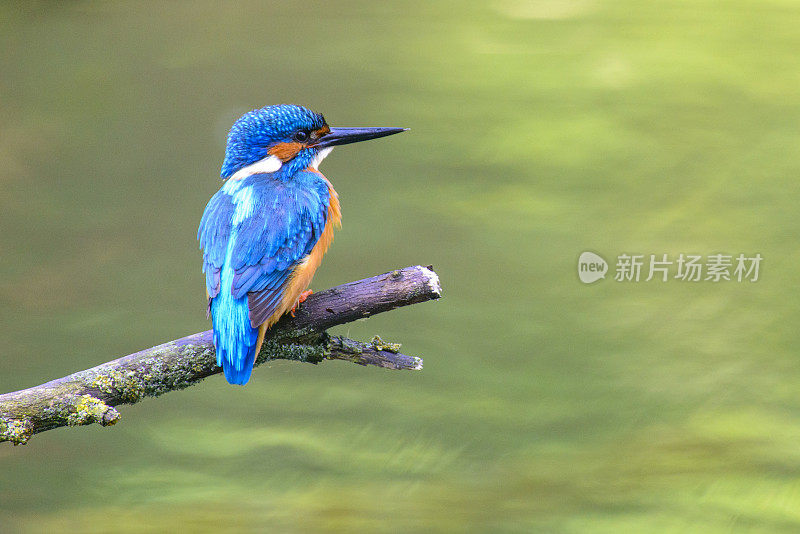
(301, 136)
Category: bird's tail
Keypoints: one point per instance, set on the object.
(234, 338)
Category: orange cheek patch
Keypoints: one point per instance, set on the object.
(286, 151)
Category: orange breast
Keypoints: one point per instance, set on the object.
(304, 272)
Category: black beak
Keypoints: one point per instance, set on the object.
(344, 136)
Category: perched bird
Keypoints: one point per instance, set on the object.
(264, 233)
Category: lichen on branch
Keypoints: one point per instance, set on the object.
(90, 396)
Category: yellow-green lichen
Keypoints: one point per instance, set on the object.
(126, 385)
(379, 344)
(16, 431)
(104, 383)
(89, 410)
(167, 369)
(348, 346)
(276, 350)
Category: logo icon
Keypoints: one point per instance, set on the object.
(591, 267)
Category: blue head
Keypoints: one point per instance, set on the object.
(287, 138)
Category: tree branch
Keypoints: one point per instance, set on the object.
(90, 396)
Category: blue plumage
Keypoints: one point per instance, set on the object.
(260, 228)
(269, 225)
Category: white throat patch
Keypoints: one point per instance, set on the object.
(322, 154)
(266, 165)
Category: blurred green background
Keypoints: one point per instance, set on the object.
(539, 130)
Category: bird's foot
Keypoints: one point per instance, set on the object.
(303, 296)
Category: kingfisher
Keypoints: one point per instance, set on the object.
(264, 233)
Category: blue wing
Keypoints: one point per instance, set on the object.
(274, 224)
(253, 233)
(213, 234)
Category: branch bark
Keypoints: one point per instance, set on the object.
(91, 396)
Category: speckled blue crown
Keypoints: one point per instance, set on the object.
(255, 131)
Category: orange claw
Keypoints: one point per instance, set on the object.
(303, 296)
